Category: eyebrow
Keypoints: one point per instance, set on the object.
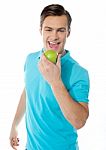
(63, 28)
(48, 27)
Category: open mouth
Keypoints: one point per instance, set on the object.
(54, 45)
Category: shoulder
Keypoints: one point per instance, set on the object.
(31, 59)
(76, 66)
(33, 55)
(78, 72)
(72, 63)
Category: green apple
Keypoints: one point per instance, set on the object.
(51, 55)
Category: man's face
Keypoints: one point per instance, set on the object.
(54, 32)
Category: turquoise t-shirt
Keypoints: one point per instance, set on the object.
(47, 128)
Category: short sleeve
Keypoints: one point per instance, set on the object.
(80, 87)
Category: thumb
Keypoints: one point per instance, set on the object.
(59, 61)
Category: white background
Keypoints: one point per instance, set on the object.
(19, 35)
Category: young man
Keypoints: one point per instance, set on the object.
(55, 98)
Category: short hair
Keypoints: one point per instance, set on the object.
(55, 10)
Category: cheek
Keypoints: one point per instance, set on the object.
(63, 39)
(44, 36)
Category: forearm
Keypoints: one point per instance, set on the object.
(73, 111)
(20, 110)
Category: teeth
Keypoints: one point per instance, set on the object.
(53, 43)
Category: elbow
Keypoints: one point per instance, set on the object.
(81, 122)
(78, 123)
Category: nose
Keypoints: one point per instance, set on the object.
(55, 35)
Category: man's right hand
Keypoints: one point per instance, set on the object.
(14, 140)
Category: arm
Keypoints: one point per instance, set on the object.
(76, 113)
(17, 119)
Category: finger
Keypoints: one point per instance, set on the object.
(44, 64)
(43, 57)
(15, 139)
(41, 67)
(18, 139)
(14, 145)
(14, 142)
(59, 61)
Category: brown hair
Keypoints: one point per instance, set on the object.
(55, 10)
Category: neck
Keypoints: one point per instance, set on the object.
(63, 53)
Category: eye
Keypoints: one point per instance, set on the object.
(48, 29)
(61, 30)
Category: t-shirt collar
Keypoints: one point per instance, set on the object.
(65, 57)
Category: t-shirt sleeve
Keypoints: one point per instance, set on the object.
(80, 87)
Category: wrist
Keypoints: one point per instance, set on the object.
(14, 125)
(57, 84)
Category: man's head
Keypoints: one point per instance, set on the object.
(55, 24)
